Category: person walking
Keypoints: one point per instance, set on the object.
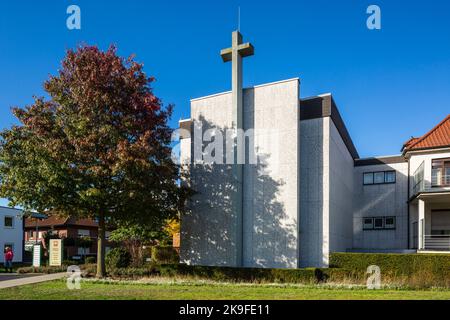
(9, 256)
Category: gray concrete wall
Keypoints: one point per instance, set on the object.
(211, 232)
(381, 200)
(271, 186)
(210, 229)
(314, 194)
(341, 186)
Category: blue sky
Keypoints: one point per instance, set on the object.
(389, 84)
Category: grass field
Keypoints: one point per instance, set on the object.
(57, 290)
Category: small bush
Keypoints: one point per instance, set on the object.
(118, 258)
(164, 255)
(90, 260)
(133, 272)
(44, 269)
(70, 262)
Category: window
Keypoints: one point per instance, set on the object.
(9, 222)
(389, 177)
(368, 178)
(378, 223)
(83, 233)
(368, 224)
(440, 172)
(389, 223)
(83, 251)
(379, 177)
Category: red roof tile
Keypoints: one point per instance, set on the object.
(53, 221)
(439, 136)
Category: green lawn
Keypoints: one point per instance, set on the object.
(89, 290)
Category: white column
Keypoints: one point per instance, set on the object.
(421, 225)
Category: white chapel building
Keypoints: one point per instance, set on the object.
(307, 193)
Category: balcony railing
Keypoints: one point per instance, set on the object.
(437, 242)
(435, 183)
(440, 181)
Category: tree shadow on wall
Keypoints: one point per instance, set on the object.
(212, 231)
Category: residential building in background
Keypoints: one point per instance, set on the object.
(70, 229)
(11, 232)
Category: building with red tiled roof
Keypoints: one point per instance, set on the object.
(438, 137)
(65, 227)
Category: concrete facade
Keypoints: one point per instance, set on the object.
(381, 200)
(213, 233)
(305, 197)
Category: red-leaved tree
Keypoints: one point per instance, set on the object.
(98, 148)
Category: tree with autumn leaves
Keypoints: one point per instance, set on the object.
(98, 148)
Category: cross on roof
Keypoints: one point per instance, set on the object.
(243, 49)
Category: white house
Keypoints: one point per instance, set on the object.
(296, 189)
(11, 232)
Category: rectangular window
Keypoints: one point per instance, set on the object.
(9, 222)
(389, 177)
(378, 177)
(440, 172)
(378, 223)
(389, 223)
(368, 223)
(368, 178)
(83, 233)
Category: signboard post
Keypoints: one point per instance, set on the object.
(37, 255)
(56, 252)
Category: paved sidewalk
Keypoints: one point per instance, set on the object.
(13, 276)
(31, 280)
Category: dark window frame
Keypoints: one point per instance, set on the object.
(375, 223)
(445, 164)
(373, 178)
(12, 222)
(394, 224)
(384, 177)
(364, 223)
(383, 219)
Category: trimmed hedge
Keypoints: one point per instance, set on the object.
(394, 264)
(413, 270)
(43, 269)
(307, 275)
(86, 268)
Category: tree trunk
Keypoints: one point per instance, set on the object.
(101, 269)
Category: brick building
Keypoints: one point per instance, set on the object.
(70, 229)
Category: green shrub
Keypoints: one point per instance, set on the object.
(133, 272)
(118, 258)
(308, 275)
(164, 254)
(90, 260)
(414, 270)
(70, 262)
(43, 269)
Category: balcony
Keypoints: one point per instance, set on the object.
(437, 242)
(437, 183)
(440, 181)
